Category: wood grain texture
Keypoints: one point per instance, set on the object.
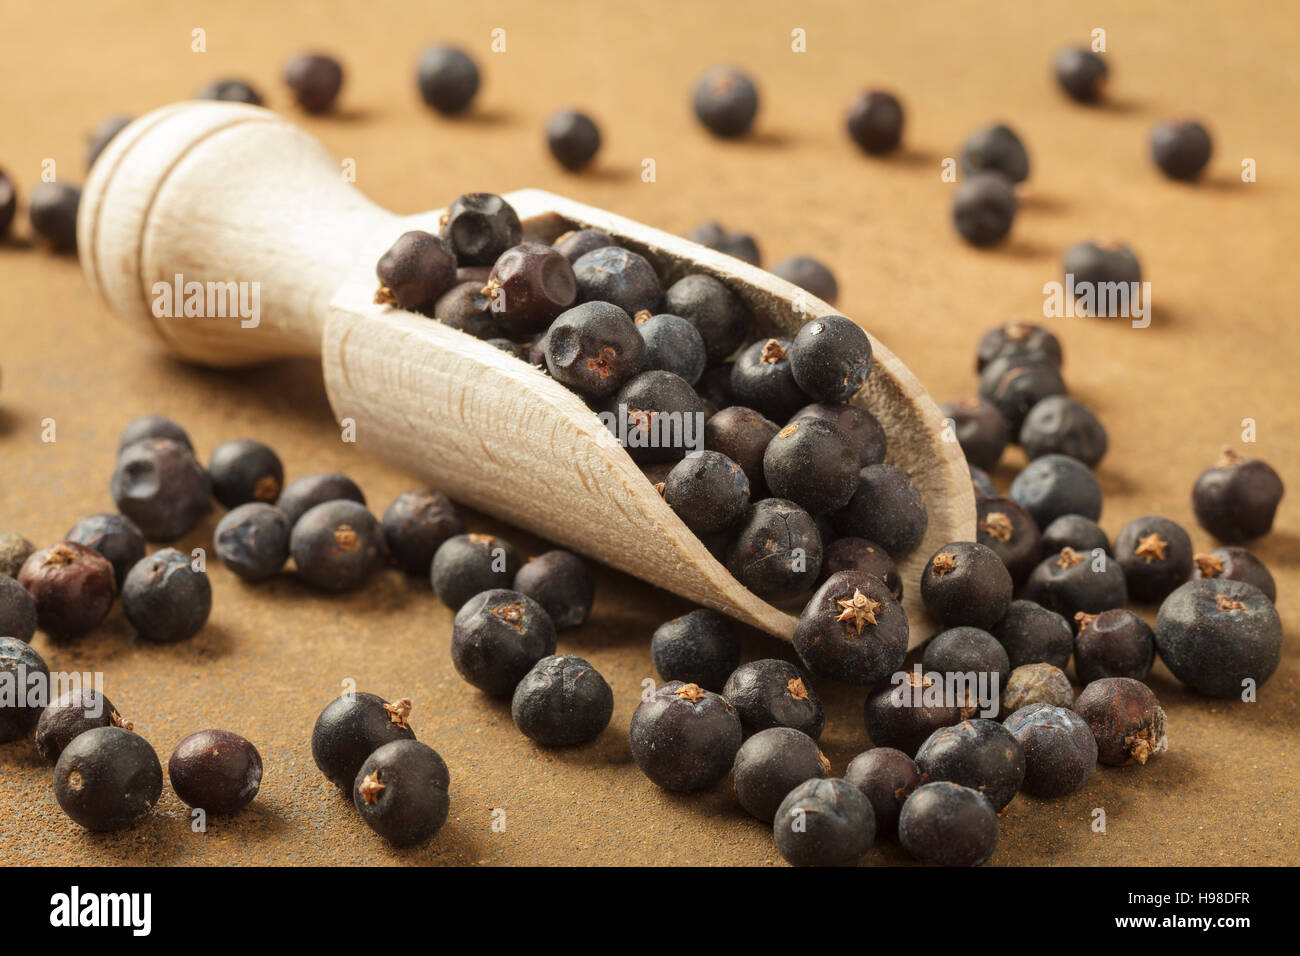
(226, 193)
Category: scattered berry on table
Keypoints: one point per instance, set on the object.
(697, 648)
(772, 763)
(684, 737)
(562, 701)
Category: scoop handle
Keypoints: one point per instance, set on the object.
(222, 231)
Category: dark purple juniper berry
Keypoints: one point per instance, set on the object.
(114, 536)
(903, 716)
(1032, 634)
(777, 550)
(562, 701)
(812, 463)
(530, 284)
(852, 630)
(562, 583)
(19, 665)
(741, 245)
(824, 823)
(1114, 643)
(576, 243)
(1222, 638)
(743, 435)
(774, 693)
(305, 493)
(859, 554)
(17, 610)
(161, 487)
(153, 426)
(337, 545)
(886, 508)
(1181, 148)
(672, 344)
(858, 423)
(69, 716)
(980, 754)
(497, 637)
(684, 737)
(594, 348)
(447, 78)
(967, 650)
(725, 101)
(887, 777)
(984, 209)
(696, 648)
(245, 470)
(466, 308)
(979, 428)
(230, 91)
(1010, 532)
(480, 226)
(946, 824)
(166, 598)
(417, 269)
(763, 379)
(1156, 555)
(1094, 269)
(723, 320)
(216, 770)
(108, 779)
(1237, 498)
(1073, 531)
(1057, 485)
(573, 139)
(659, 417)
(1060, 750)
(708, 491)
(831, 358)
(1069, 582)
(966, 583)
(1236, 564)
(1016, 381)
(772, 763)
(468, 564)
(315, 80)
(401, 792)
(1081, 73)
(253, 541)
(995, 148)
(809, 274)
(52, 210)
(875, 122)
(415, 525)
(1125, 718)
(1059, 425)
(351, 728)
(72, 587)
(1019, 339)
(620, 277)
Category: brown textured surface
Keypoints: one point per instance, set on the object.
(1222, 347)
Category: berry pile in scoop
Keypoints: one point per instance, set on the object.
(752, 442)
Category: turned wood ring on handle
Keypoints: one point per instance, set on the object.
(222, 192)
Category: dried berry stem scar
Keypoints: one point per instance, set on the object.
(398, 711)
(857, 610)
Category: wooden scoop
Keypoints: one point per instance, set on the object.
(227, 193)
